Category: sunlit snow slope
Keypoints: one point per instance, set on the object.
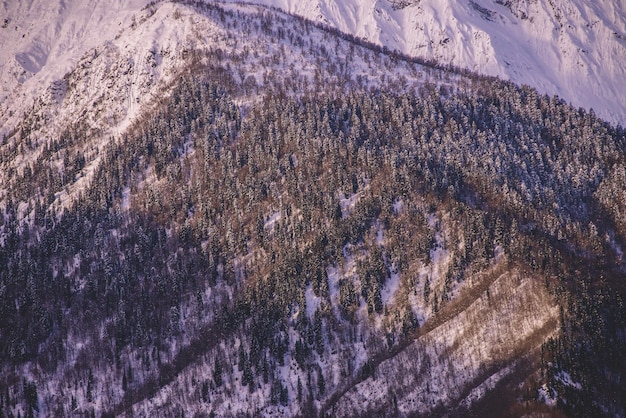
(574, 48)
(42, 40)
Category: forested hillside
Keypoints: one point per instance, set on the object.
(286, 231)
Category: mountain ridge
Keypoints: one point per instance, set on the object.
(574, 50)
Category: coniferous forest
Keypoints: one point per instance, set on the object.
(250, 247)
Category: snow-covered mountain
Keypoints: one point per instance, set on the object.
(574, 48)
(226, 209)
(42, 41)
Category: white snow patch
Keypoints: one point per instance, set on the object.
(547, 395)
(619, 252)
(398, 205)
(347, 203)
(391, 286)
(481, 390)
(498, 253)
(566, 379)
(312, 301)
(333, 283)
(126, 199)
(271, 221)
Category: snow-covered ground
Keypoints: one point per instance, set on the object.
(455, 362)
(103, 83)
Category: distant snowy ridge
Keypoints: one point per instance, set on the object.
(575, 49)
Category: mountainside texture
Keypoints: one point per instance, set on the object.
(228, 210)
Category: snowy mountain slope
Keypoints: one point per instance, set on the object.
(212, 166)
(576, 49)
(68, 135)
(102, 92)
(40, 41)
(462, 361)
(123, 74)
